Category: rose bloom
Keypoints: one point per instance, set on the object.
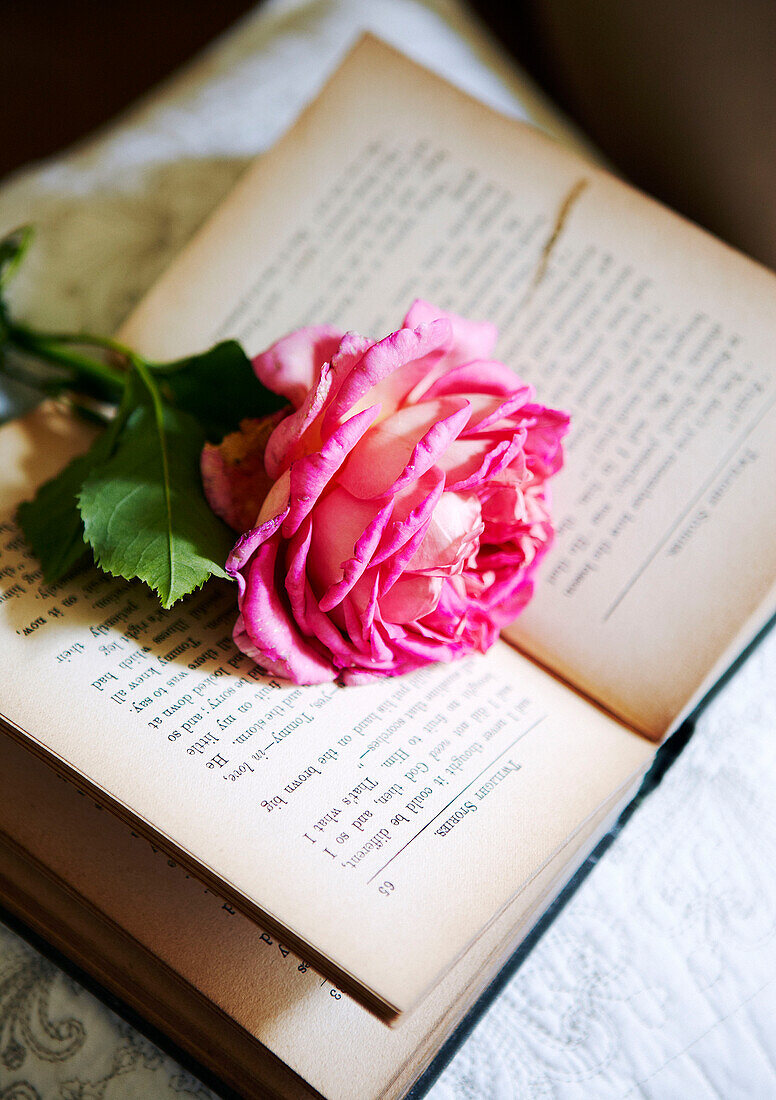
(395, 513)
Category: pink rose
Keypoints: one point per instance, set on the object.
(408, 506)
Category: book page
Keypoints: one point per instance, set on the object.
(129, 925)
(416, 808)
(657, 338)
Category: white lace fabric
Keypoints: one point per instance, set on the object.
(658, 979)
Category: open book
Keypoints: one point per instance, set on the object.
(399, 837)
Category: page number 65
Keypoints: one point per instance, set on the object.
(386, 888)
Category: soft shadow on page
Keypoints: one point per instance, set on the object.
(657, 339)
(417, 807)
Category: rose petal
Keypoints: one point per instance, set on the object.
(410, 598)
(452, 536)
(361, 613)
(400, 449)
(409, 509)
(308, 615)
(494, 414)
(396, 565)
(340, 522)
(249, 543)
(234, 478)
(311, 474)
(412, 513)
(356, 538)
(470, 339)
(468, 468)
(543, 439)
(267, 630)
(291, 439)
(414, 648)
(433, 444)
(485, 376)
(292, 365)
(388, 370)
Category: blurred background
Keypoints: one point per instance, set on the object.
(681, 96)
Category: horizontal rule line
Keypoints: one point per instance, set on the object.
(688, 508)
(457, 796)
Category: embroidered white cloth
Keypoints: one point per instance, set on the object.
(659, 978)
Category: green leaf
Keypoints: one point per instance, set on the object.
(12, 250)
(144, 512)
(219, 388)
(51, 521)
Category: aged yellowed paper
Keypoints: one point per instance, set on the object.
(420, 808)
(658, 339)
(214, 979)
(416, 808)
